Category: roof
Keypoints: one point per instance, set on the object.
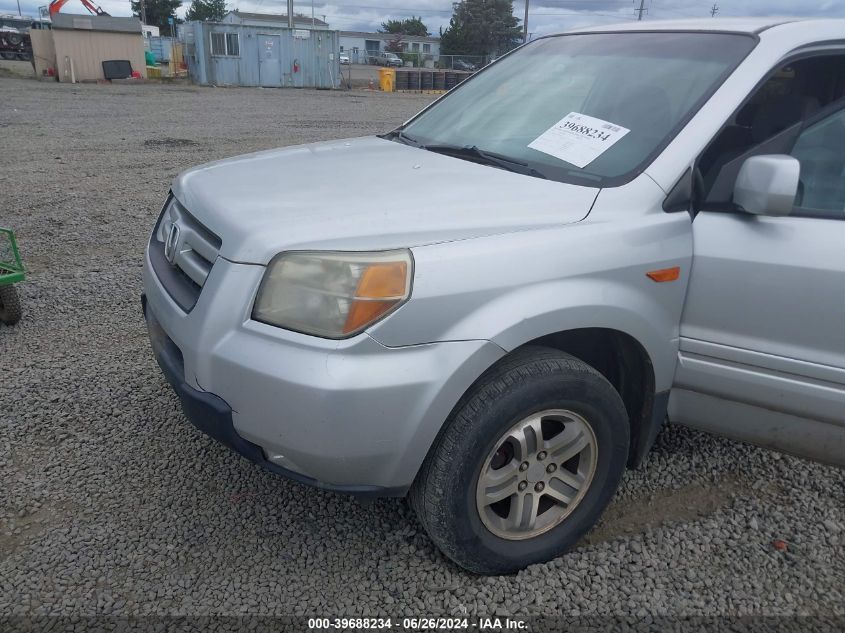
(735, 25)
(70, 21)
(388, 36)
(277, 17)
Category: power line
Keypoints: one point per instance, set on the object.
(392, 9)
(587, 14)
(354, 19)
(553, 3)
(544, 3)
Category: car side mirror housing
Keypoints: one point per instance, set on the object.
(767, 185)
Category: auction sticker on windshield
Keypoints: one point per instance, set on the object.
(578, 139)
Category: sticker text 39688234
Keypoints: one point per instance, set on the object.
(578, 138)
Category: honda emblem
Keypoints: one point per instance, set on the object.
(171, 246)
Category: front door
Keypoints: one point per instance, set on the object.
(269, 61)
(762, 348)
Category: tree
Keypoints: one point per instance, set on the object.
(408, 26)
(481, 27)
(395, 45)
(206, 11)
(158, 11)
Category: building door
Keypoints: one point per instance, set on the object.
(269, 61)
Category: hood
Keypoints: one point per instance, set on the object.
(365, 194)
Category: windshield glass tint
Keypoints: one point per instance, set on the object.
(647, 83)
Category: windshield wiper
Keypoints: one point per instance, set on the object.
(476, 155)
(403, 138)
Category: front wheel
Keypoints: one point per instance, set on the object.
(10, 305)
(526, 464)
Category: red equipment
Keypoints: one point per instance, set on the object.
(56, 6)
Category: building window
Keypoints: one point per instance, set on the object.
(416, 46)
(218, 43)
(225, 45)
(426, 48)
(233, 44)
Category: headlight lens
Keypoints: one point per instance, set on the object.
(333, 295)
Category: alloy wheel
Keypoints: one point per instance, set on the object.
(536, 474)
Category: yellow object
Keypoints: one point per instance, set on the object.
(381, 287)
(153, 72)
(665, 274)
(387, 79)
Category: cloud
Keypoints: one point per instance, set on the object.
(546, 16)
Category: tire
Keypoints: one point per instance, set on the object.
(531, 380)
(10, 305)
(8, 55)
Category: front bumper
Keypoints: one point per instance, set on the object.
(352, 416)
(211, 415)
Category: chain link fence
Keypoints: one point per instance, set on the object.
(413, 59)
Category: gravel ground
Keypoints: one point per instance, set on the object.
(111, 503)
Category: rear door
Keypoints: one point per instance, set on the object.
(762, 348)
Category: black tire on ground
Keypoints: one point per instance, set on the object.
(8, 55)
(25, 56)
(10, 305)
(530, 380)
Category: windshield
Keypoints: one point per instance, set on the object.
(585, 108)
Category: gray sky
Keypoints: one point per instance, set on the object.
(546, 15)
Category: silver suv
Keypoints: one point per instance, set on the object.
(601, 230)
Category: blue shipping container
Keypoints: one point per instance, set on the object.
(161, 48)
(238, 55)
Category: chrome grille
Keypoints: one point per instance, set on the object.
(182, 252)
(195, 248)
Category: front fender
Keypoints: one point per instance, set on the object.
(512, 289)
(591, 303)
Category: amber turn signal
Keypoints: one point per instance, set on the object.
(381, 287)
(665, 274)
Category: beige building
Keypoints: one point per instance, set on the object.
(81, 43)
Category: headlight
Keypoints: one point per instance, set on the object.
(333, 295)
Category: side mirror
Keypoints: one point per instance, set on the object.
(767, 185)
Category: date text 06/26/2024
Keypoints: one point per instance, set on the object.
(417, 624)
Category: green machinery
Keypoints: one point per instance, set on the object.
(11, 272)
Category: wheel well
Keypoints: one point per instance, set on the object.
(624, 362)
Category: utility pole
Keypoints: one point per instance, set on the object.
(641, 10)
(525, 24)
(19, 8)
(290, 14)
(714, 10)
(143, 12)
